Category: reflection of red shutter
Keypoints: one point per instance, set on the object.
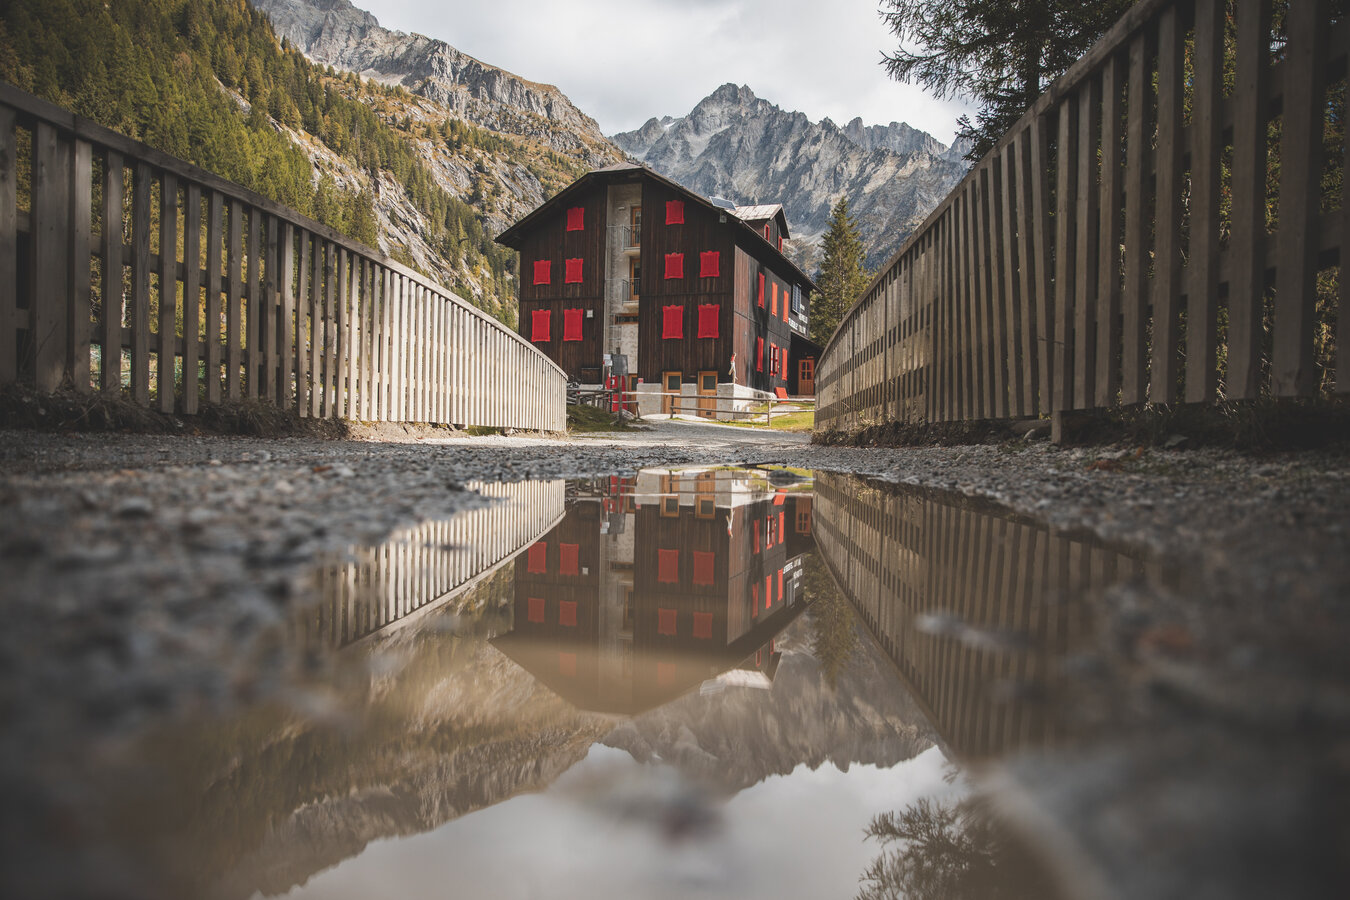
(542, 274)
(780, 582)
(674, 212)
(674, 265)
(668, 566)
(761, 290)
(782, 529)
(773, 307)
(768, 591)
(703, 625)
(707, 320)
(704, 563)
(779, 498)
(539, 325)
(567, 612)
(786, 305)
(567, 559)
(572, 271)
(538, 559)
(708, 264)
(571, 324)
(672, 322)
(536, 606)
(759, 354)
(665, 621)
(576, 219)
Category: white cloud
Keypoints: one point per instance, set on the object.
(623, 61)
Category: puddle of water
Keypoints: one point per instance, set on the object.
(645, 686)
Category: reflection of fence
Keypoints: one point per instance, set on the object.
(389, 586)
(203, 287)
(704, 405)
(976, 607)
(1114, 247)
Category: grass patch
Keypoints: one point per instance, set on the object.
(802, 421)
(583, 419)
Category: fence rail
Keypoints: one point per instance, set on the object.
(1152, 230)
(124, 267)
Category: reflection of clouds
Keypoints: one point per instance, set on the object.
(603, 830)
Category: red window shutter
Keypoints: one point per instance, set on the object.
(567, 613)
(542, 271)
(708, 264)
(567, 664)
(786, 304)
(536, 607)
(672, 322)
(567, 559)
(780, 243)
(761, 290)
(703, 625)
(759, 354)
(704, 566)
(768, 591)
(674, 265)
(572, 271)
(538, 559)
(773, 307)
(766, 231)
(780, 574)
(668, 566)
(665, 621)
(779, 498)
(576, 218)
(781, 531)
(665, 672)
(756, 543)
(572, 324)
(674, 212)
(707, 320)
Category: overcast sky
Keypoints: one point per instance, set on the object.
(624, 61)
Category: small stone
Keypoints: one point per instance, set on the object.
(133, 508)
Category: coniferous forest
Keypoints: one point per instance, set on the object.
(209, 81)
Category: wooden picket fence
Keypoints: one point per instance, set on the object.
(207, 290)
(1151, 231)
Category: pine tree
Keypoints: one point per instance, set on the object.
(842, 273)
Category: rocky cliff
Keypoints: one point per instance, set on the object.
(739, 146)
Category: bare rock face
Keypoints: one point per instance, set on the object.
(739, 146)
(335, 33)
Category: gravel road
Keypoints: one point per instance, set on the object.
(139, 572)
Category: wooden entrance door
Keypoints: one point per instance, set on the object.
(806, 377)
(670, 384)
(707, 394)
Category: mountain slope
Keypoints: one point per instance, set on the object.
(736, 145)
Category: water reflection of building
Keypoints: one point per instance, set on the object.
(377, 589)
(976, 607)
(654, 585)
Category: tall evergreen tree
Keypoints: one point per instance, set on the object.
(843, 274)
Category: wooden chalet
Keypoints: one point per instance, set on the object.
(625, 261)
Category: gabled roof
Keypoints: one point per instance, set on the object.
(514, 236)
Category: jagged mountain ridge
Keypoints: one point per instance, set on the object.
(739, 146)
(336, 33)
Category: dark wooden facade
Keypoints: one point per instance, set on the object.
(761, 297)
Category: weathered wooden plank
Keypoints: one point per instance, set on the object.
(1066, 214)
(1343, 301)
(1202, 289)
(270, 326)
(1135, 296)
(352, 283)
(1246, 247)
(9, 260)
(80, 279)
(342, 344)
(1012, 295)
(1166, 332)
(981, 334)
(1086, 248)
(316, 327)
(167, 328)
(50, 311)
(1002, 350)
(1026, 265)
(234, 264)
(214, 239)
(1039, 164)
(140, 285)
(192, 296)
(110, 245)
(304, 333)
(255, 309)
(286, 389)
(331, 378)
(1293, 371)
(1108, 229)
